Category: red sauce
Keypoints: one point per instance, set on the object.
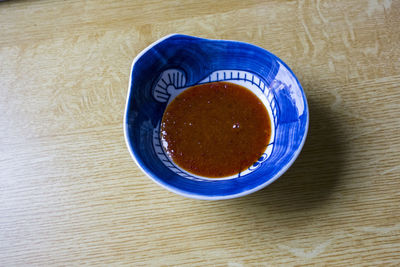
(215, 129)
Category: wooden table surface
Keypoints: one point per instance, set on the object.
(70, 193)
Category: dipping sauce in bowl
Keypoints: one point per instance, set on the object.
(193, 131)
(215, 129)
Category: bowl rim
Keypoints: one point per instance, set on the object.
(157, 180)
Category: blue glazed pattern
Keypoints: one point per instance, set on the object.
(177, 62)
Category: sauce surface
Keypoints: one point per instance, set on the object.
(216, 129)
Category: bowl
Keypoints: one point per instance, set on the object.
(176, 62)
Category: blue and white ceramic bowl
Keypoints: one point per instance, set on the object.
(176, 62)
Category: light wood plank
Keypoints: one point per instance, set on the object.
(70, 194)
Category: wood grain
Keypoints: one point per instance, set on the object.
(70, 193)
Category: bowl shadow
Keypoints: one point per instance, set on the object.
(310, 181)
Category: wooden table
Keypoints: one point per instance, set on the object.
(70, 193)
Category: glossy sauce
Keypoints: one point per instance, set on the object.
(215, 129)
